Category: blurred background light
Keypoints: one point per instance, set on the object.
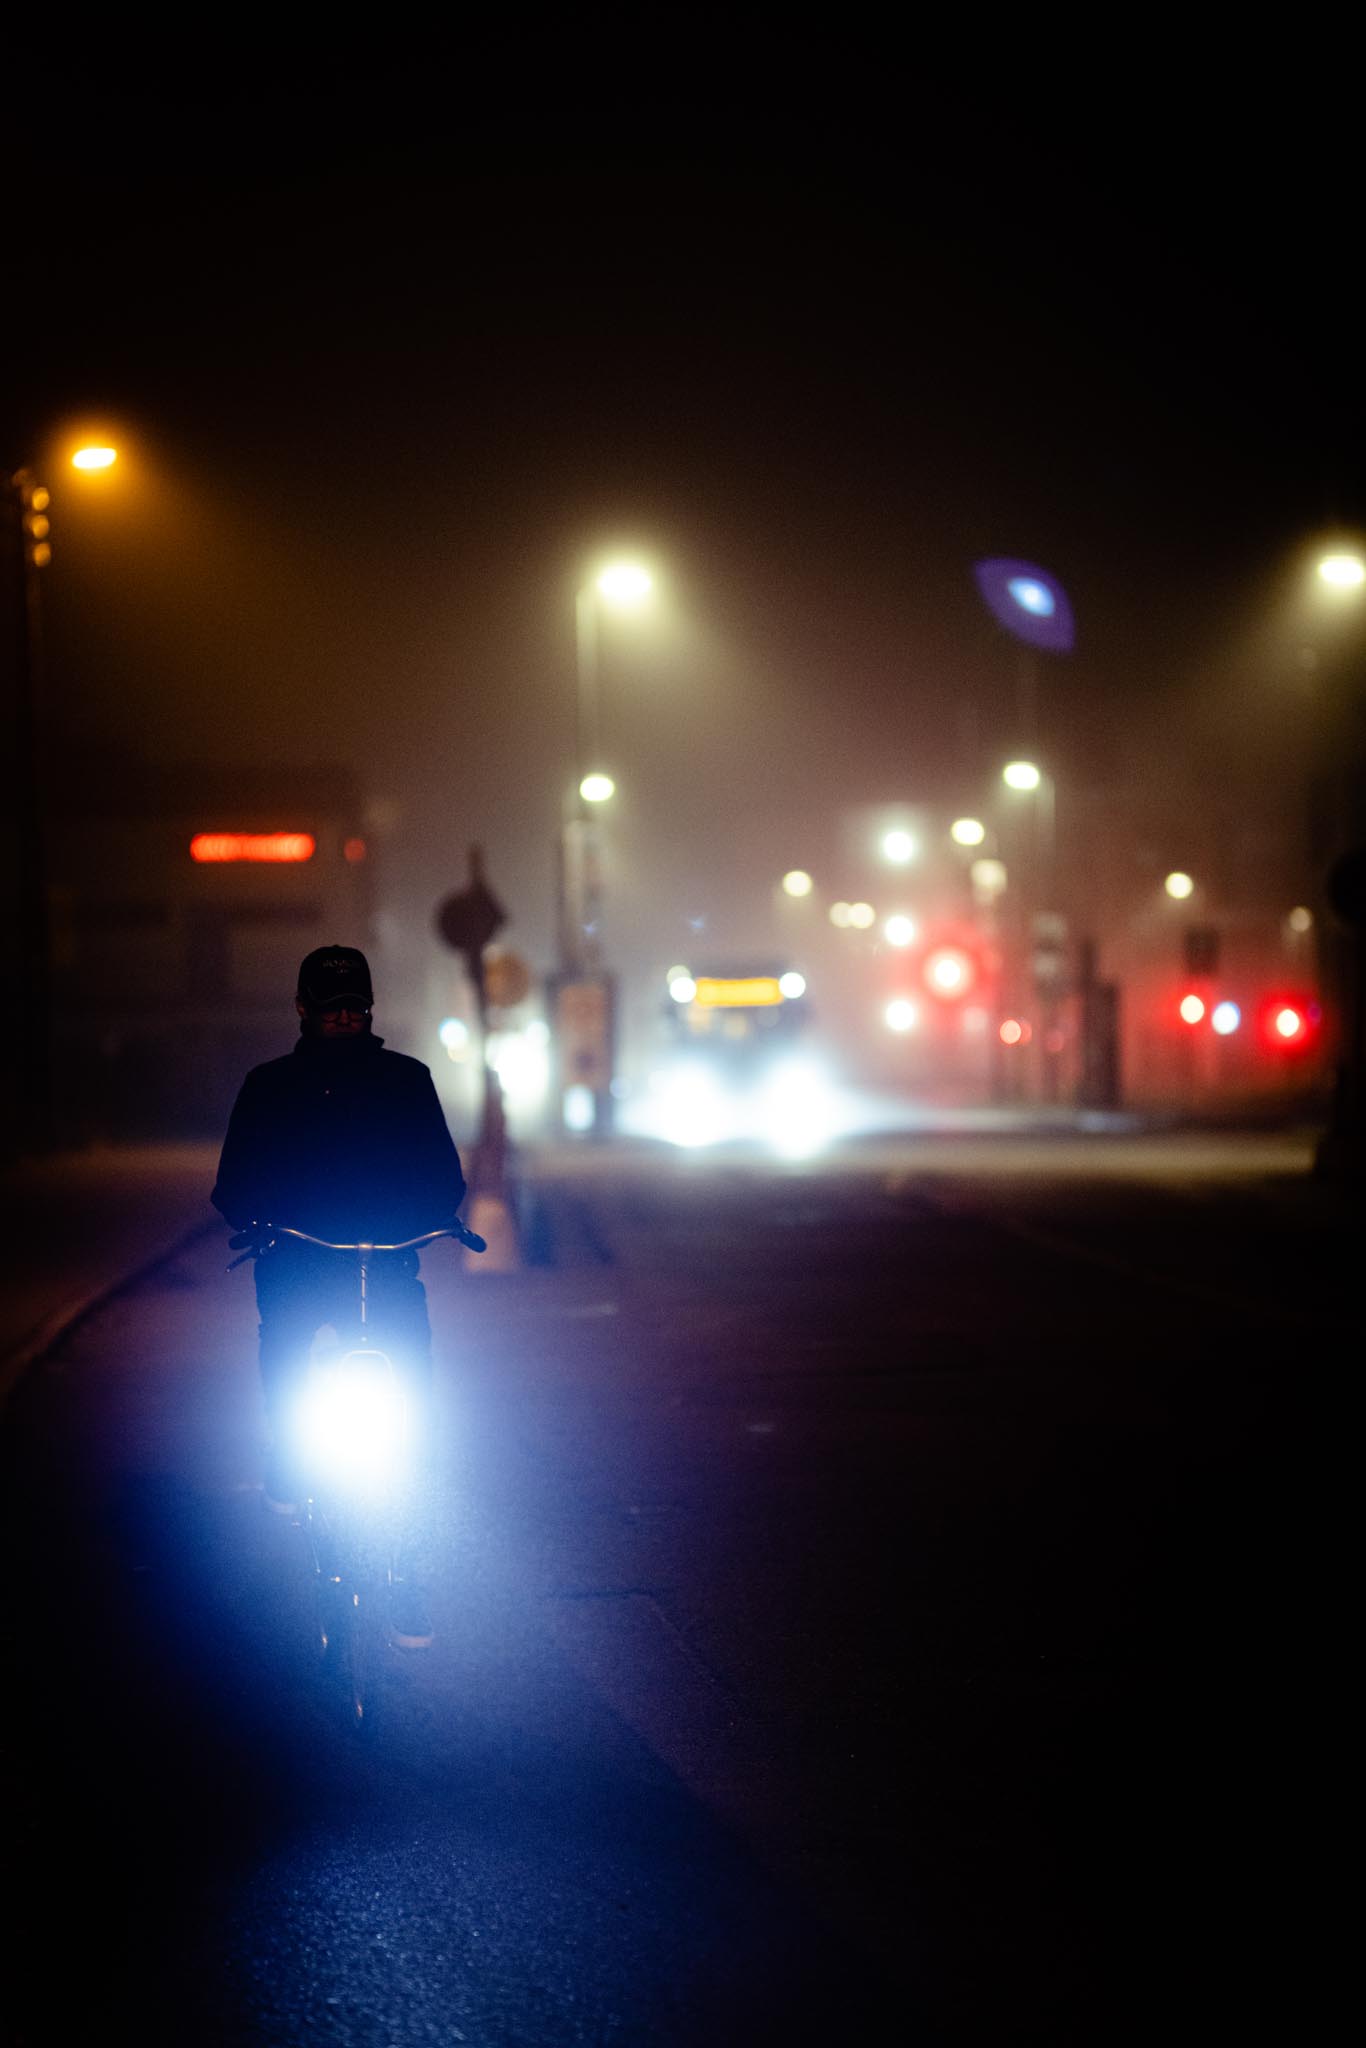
(797, 882)
(596, 789)
(840, 916)
(625, 584)
(1028, 602)
(1021, 775)
(902, 1014)
(1192, 1009)
(94, 458)
(968, 831)
(792, 985)
(1300, 919)
(899, 847)
(683, 988)
(900, 930)
(988, 879)
(1225, 1018)
(862, 916)
(1179, 885)
(1343, 572)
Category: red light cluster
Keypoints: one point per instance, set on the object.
(268, 846)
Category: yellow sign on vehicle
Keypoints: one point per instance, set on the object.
(756, 992)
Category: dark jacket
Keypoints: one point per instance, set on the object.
(342, 1139)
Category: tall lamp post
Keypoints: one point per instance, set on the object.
(584, 996)
(27, 503)
(1341, 840)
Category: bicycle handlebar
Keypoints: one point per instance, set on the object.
(259, 1237)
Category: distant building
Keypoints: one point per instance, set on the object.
(182, 901)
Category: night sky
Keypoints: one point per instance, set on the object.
(397, 346)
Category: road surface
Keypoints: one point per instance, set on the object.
(892, 1597)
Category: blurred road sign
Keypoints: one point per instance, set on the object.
(583, 1028)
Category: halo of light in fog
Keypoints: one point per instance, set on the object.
(1021, 775)
(793, 985)
(967, 831)
(901, 1014)
(1192, 1009)
(1301, 919)
(1032, 596)
(579, 1107)
(1225, 1018)
(683, 988)
(625, 584)
(1179, 885)
(1343, 572)
(94, 458)
(1028, 602)
(862, 916)
(988, 878)
(949, 971)
(899, 847)
(839, 915)
(597, 788)
(797, 882)
(899, 930)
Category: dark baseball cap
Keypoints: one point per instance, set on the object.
(333, 974)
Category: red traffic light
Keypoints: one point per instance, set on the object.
(1289, 1022)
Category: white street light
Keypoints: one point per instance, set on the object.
(899, 847)
(1021, 775)
(967, 831)
(862, 916)
(596, 789)
(1343, 572)
(899, 930)
(1179, 886)
(797, 882)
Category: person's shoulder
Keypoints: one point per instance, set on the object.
(403, 1067)
(271, 1072)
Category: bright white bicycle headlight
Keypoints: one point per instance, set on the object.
(354, 1423)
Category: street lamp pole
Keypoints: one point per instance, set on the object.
(29, 501)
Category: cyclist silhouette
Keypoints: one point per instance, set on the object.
(345, 1140)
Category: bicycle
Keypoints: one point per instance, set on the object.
(353, 1440)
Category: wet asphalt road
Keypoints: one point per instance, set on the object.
(893, 1599)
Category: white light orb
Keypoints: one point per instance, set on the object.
(683, 988)
(967, 831)
(1179, 886)
(1021, 775)
(597, 788)
(797, 882)
(901, 1014)
(899, 930)
(792, 986)
(898, 847)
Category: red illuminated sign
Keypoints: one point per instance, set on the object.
(270, 846)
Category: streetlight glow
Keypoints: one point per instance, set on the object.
(1021, 775)
(861, 916)
(1343, 572)
(967, 831)
(1301, 919)
(625, 584)
(901, 1014)
(898, 847)
(1179, 886)
(94, 458)
(797, 882)
(899, 930)
(596, 789)
(792, 986)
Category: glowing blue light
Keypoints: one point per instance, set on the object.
(1226, 1018)
(1028, 602)
(1032, 597)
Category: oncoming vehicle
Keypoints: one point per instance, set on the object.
(356, 1449)
(736, 1065)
